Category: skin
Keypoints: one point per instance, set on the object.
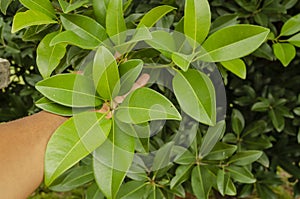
(22, 149)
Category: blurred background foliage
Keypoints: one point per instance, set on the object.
(263, 110)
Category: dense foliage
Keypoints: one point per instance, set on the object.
(262, 130)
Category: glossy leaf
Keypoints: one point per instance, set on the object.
(129, 72)
(221, 151)
(284, 52)
(236, 66)
(182, 174)
(295, 40)
(241, 174)
(4, 5)
(100, 8)
(115, 23)
(196, 95)
(69, 37)
(223, 21)
(162, 157)
(133, 190)
(291, 26)
(237, 121)
(72, 141)
(85, 27)
(43, 6)
(30, 18)
(182, 61)
(155, 14)
(277, 120)
(68, 7)
(232, 42)
(48, 57)
(76, 90)
(202, 181)
(52, 107)
(222, 182)
(112, 160)
(93, 192)
(77, 177)
(244, 158)
(212, 136)
(197, 20)
(105, 73)
(135, 109)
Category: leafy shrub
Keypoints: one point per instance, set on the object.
(90, 57)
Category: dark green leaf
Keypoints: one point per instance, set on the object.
(182, 174)
(237, 121)
(241, 174)
(202, 181)
(244, 158)
(133, 190)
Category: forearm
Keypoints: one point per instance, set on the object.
(22, 148)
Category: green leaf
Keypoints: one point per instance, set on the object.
(115, 23)
(69, 37)
(261, 106)
(135, 109)
(297, 111)
(223, 180)
(162, 157)
(291, 26)
(112, 160)
(202, 181)
(105, 73)
(241, 174)
(197, 19)
(295, 40)
(151, 17)
(237, 121)
(212, 136)
(221, 151)
(186, 158)
(284, 52)
(182, 61)
(76, 90)
(72, 141)
(236, 66)
(244, 158)
(68, 7)
(48, 57)
(4, 5)
(57, 109)
(133, 190)
(30, 18)
(100, 8)
(129, 72)
(93, 192)
(233, 42)
(223, 21)
(196, 95)
(182, 174)
(43, 6)
(77, 177)
(277, 120)
(265, 192)
(85, 27)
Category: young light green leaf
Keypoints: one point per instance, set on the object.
(291, 26)
(30, 18)
(237, 121)
(151, 17)
(105, 73)
(112, 160)
(129, 72)
(244, 158)
(68, 7)
(241, 174)
(115, 23)
(100, 8)
(295, 40)
(48, 57)
(135, 109)
(202, 181)
(72, 141)
(43, 6)
(85, 27)
(182, 61)
(232, 42)
(69, 37)
(197, 20)
(236, 66)
(284, 52)
(52, 107)
(76, 90)
(196, 95)
(4, 5)
(212, 136)
(182, 174)
(77, 177)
